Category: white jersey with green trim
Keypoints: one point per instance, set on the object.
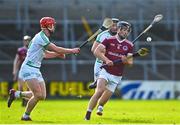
(100, 38)
(35, 53)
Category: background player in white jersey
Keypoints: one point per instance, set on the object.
(111, 49)
(18, 60)
(100, 38)
(39, 48)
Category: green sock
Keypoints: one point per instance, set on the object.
(20, 94)
(27, 113)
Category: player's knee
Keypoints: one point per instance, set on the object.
(99, 92)
(39, 96)
(43, 97)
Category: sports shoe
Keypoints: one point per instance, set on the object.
(88, 115)
(26, 119)
(93, 85)
(99, 111)
(11, 97)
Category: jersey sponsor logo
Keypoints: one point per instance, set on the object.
(114, 54)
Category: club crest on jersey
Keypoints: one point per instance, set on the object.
(125, 48)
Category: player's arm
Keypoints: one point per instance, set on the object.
(94, 46)
(50, 54)
(100, 53)
(62, 50)
(128, 60)
(98, 40)
(16, 66)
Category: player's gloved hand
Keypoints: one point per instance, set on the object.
(75, 50)
(109, 62)
(128, 60)
(124, 59)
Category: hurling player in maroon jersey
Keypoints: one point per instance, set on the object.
(19, 58)
(111, 49)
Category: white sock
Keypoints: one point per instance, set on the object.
(89, 110)
(17, 94)
(100, 107)
(25, 115)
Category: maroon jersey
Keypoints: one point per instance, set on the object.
(115, 49)
(22, 53)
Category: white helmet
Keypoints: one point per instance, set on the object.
(26, 37)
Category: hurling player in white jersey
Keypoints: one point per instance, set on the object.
(111, 49)
(100, 38)
(39, 48)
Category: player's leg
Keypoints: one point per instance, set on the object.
(97, 70)
(13, 94)
(93, 85)
(26, 94)
(101, 85)
(110, 88)
(103, 100)
(38, 90)
(21, 84)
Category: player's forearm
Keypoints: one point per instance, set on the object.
(64, 50)
(100, 55)
(49, 54)
(59, 50)
(15, 65)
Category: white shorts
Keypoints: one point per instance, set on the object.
(26, 72)
(112, 80)
(97, 69)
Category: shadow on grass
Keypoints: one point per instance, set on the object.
(127, 120)
(43, 122)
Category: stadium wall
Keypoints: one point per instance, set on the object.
(134, 90)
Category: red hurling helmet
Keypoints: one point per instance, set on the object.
(47, 22)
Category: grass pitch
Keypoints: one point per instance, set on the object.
(115, 112)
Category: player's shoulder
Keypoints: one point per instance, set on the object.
(21, 48)
(104, 33)
(129, 42)
(112, 38)
(36, 37)
(39, 37)
(43, 36)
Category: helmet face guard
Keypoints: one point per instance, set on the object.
(115, 20)
(124, 26)
(48, 23)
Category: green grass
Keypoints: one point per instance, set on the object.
(115, 112)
